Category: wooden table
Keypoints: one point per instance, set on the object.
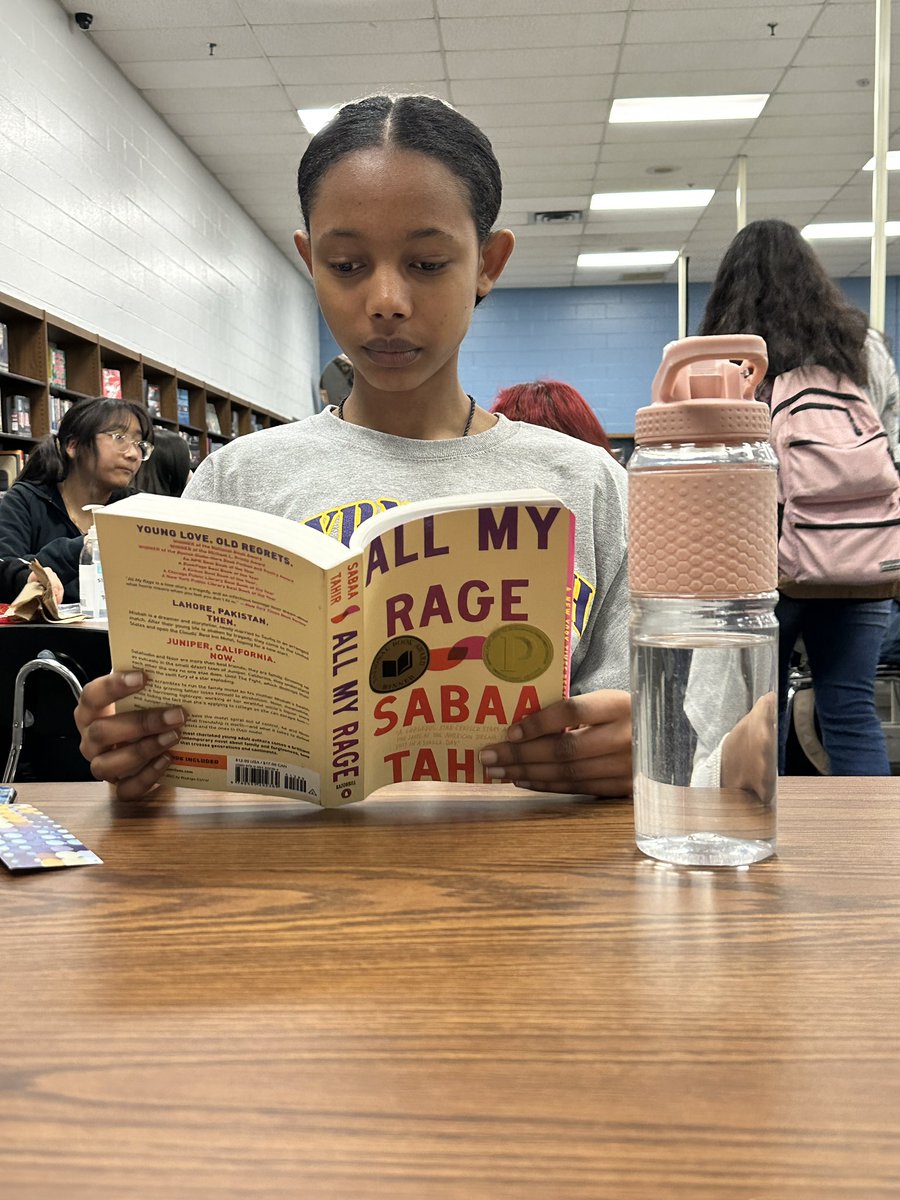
(482, 995)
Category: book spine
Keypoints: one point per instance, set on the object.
(343, 774)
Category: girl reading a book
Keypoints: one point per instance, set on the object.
(399, 198)
(92, 459)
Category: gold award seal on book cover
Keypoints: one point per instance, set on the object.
(517, 653)
(399, 663)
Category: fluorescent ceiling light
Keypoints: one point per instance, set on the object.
(682, 198)
(687, 108)
(629, 258)
(315, 119)
(893, 161)
(847, 230)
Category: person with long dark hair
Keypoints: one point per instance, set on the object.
(771, 283)
(399, 197)
(555, 405)
(91, 460)
(168, 471)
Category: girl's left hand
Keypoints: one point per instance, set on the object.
(581, 746)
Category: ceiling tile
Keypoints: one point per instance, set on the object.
(710, 24)
(533, 63)
(207, 72)
(375, 70)
(524, 32)
(340, 40)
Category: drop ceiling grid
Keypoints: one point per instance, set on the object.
(539, 76)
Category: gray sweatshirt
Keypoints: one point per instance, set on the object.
(332, 475)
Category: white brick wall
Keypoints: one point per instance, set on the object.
(108, 220)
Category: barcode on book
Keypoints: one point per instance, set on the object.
(267, 775)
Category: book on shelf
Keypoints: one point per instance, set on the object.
(212, 419)
(58, 409)
(323, 672)
(15, 415)
(235, 424)
(58, 374)
(153, 399)
(184, 405)
(4, 346)
(11, 464)
(112, 383)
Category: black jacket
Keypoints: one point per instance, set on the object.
(34, 524)
(13, 577)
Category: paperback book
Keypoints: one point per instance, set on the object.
(323, 672)
(58, 373)
(112, 383)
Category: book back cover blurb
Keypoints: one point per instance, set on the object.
(453, 663)
(230, 628)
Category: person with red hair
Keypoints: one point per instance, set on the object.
(554, 405)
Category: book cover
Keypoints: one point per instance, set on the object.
(4, 347)
(17, 415)
(312, 670)
(212, 419)
(11, 464)
(184, 406)
(112, 383)
(58, 374)
(153, 399)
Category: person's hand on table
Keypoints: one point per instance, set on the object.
(581, 746)
(749, 751)
(127, 749)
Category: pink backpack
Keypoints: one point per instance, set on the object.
(837, 483)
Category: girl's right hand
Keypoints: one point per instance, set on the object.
(127, 749)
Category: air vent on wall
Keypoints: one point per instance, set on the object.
(562, 216)
(643, 277)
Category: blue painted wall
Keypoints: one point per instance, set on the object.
(605, 341)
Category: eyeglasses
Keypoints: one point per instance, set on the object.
(145, 449)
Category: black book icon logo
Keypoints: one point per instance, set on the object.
(393, 668)
(399, 663)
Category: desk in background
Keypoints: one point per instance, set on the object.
(436, 994)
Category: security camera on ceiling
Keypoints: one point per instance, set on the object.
(84, 20)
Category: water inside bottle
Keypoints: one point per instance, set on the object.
(705, 718)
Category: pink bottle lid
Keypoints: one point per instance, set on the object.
(701, 395)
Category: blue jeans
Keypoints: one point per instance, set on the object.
(890, 647)
(842, 639)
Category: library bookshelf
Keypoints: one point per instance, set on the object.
(48, 364)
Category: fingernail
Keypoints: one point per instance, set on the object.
(133, 678)
(173, 716)
(495, 773)
(162, 762)
(487, 758)
(514, 733)
(168, 739)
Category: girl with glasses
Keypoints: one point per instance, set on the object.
(92, 459)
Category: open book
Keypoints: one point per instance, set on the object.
(314, 670)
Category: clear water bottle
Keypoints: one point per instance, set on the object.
(704, 639)
(98, 575)
(87, 575)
